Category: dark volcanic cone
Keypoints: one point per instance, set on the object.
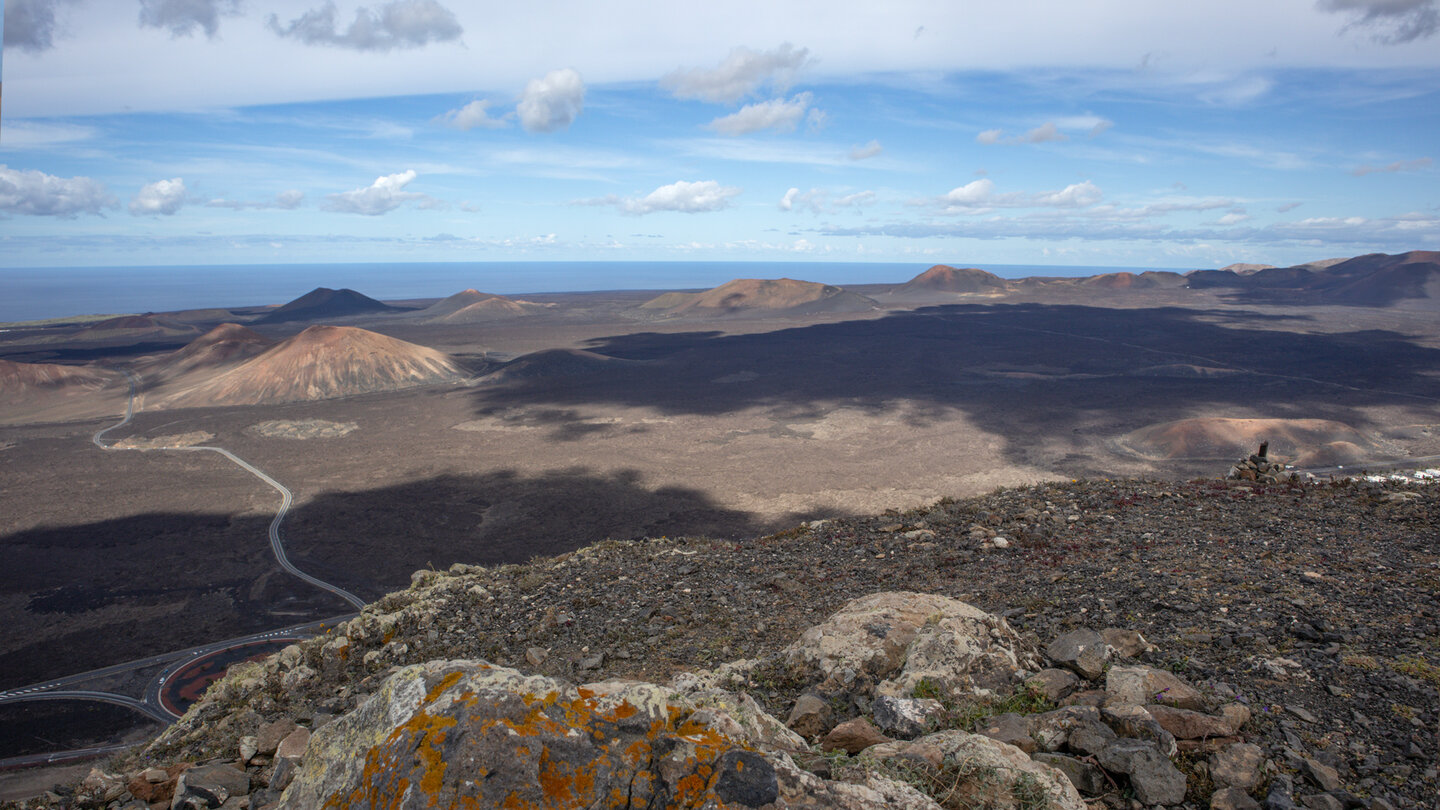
(323, 303)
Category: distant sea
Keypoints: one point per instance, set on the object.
(34, 293)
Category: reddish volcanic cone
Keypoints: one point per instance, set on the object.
(473, 306)
(225, 345)
(44, 392)
(135, 327)
(321, 362)
(753, 294)
(947, 279)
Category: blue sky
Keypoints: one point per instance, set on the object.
(1115, 132)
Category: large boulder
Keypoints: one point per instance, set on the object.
(1138, 686)
(889, 643)
(467, 733)
(1002, 776)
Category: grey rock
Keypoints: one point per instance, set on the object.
(1086, 778)
(1052, 684)
(1091, 737)
(1083, 651)
(1323, 775)
(268, 738)
(1051, 730)
(1138, 686)
(1135, 721)
(1155, 779)
(811, 716)
(1125, 643)
(906, 718)
(1322, 801)
(1281, 794)
(219, 776)
(1232, 799)
(1010, 728)
(1237, 766)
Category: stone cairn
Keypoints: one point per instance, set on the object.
(1259, 468)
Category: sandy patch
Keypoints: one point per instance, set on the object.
(190, 439)
(302, 429)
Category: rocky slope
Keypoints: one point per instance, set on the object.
(1274, 644)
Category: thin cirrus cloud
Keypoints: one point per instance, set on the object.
(868, 150)
(287, 200)
(1392, 22)
(1047, 132)
(475, 115)
(553, 102)
(817, 200)
(397, 24)
(162, 197)
(1390, 168)
(682, 196)
(382, 196)
(184, 17)
(777, 114)
(744, 72)
(39, 194)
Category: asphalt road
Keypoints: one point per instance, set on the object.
(151, 704)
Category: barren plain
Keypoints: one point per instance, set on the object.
(590, 417)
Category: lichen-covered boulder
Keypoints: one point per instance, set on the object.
(1138, 686)
(891, 642)
(1001, 776)
(451, 734)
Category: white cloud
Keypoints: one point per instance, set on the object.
(30, 24)
(741, 74)
(184, 17)
(795, 198)
(40, 194)
(973, 193)
(1394, 21)
(869, 150)
(160, 197)
(1089, 123)
(397, 24)
(686, 197)
(1290, 206)
(1045, 133)
(472, 116)
(1233, 218)
(1398, 166)
(1075, 195)
(777, 114)
(857, 199)
(384, 195)
(287, 200)
(553, 102)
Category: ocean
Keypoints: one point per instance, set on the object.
(35, 293)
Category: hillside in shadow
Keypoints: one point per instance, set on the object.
(116, 590)
(1018, 371)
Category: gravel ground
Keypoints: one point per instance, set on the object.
(1318, 605)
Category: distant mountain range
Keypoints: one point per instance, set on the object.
(1375, 280)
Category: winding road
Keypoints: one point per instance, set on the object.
(151, 704)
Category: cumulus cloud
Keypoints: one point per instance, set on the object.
(973, 193)
(474, 115)
(397, 24)
(744, 72)
(287, 200)
(989, 137)
(979, 196)
(551, 103)
(777, 114)
(185, 17)
(701, 196)
(794, 198)
(1397, 166)
(384, 195)
(40, 194)
(1392, 21)
(30, 24)
(160, 197)
(869, 150)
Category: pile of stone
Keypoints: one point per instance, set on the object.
(891, 680)
(1259, 467)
